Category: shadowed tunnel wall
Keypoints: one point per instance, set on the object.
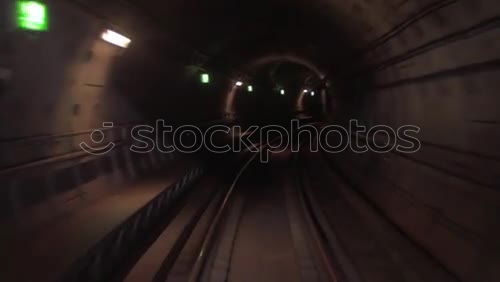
(440, 73)
(60, 83)
(57, 86)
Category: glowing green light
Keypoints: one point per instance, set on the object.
(205, 78)
(32, 15)
(250, 88)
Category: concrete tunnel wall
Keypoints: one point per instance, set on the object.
(60, 79)
(441, 74)
(68, 80)
(57, 86)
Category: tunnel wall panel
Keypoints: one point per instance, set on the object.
(430, 227)
(62, 79)
(440, 74)
(437, 28)
(62, 87)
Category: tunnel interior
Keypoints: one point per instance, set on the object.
(432, 214)
(277, 92)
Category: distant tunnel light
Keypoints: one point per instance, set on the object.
(313, 93)
(306, 90)
(239, 83)
(115, 38)
(282, 91)
(32, 15)
(205, 78)
(250, 88)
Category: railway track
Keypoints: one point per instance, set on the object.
(260, 224)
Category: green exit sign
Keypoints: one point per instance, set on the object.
(32, 15)
(205, 78)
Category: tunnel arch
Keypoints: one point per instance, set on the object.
(431, 63)
(229, 109)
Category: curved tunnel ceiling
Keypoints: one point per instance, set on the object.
(330, 35)
(337, 38)
(234, 32)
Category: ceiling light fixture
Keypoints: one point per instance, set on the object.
(115, 38)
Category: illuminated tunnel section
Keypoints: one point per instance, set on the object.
(69, 67)
(277, 89)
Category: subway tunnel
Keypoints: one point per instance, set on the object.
(349, 140)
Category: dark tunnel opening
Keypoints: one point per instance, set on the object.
(264, 140)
